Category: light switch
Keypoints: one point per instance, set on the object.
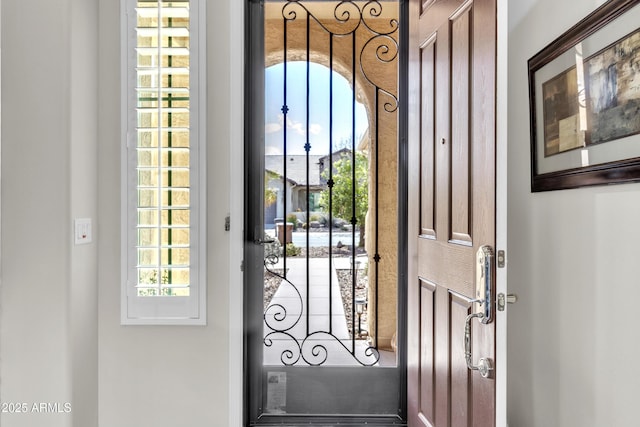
(82, 231)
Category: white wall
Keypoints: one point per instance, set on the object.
(48, 318)
(573, 261)
(166, 376)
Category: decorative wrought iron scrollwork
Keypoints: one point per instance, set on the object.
(374, 10)
(385, 50)
(276, 315)
(347, 14)
(359, 27)
(349, 17)
(312, 350)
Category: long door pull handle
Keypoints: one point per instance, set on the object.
(484, 366)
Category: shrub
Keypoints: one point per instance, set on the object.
(293, 219)
(292, 250)
(273, 249)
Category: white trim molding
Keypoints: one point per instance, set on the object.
(236, 302)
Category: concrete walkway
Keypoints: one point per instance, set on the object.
(319, 327)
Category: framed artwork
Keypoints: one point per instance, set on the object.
(584, 99)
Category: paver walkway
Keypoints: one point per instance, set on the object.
(319, 330)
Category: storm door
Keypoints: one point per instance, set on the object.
(324, 196)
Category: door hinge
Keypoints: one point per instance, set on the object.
(242, 265)
(502, 257)
(227, 223)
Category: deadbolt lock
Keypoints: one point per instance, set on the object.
(503, 300)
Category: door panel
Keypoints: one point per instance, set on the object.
(427, 350)
(460, 115)
(451, 209)
(458, 311)
(427, 143)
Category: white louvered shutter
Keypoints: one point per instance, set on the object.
(163, 152)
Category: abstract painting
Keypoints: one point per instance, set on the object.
(613, 90)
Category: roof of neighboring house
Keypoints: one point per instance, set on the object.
(296, 167)
(337, 155)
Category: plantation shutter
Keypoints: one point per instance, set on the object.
(164, 186)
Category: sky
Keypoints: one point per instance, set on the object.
(319, 111)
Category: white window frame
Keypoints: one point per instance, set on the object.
(164, 310)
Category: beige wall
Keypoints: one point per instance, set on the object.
(573, 261)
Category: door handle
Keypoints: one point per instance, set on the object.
(484, 284)
(482, 308)
(485, 365)
(261, 238)
(264, 241)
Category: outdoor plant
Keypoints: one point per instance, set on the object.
(273, 248)
(270, 195)
(292, 250)
(153, 279)
(342, 194)
(293, 218)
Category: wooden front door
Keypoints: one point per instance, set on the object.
(452, 197)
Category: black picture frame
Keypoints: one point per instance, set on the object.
(561, 135)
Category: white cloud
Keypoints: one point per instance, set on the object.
(315, 129)
(272, 127)
(270, 150)
(298, 127)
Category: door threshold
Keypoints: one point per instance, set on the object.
(335, 422)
